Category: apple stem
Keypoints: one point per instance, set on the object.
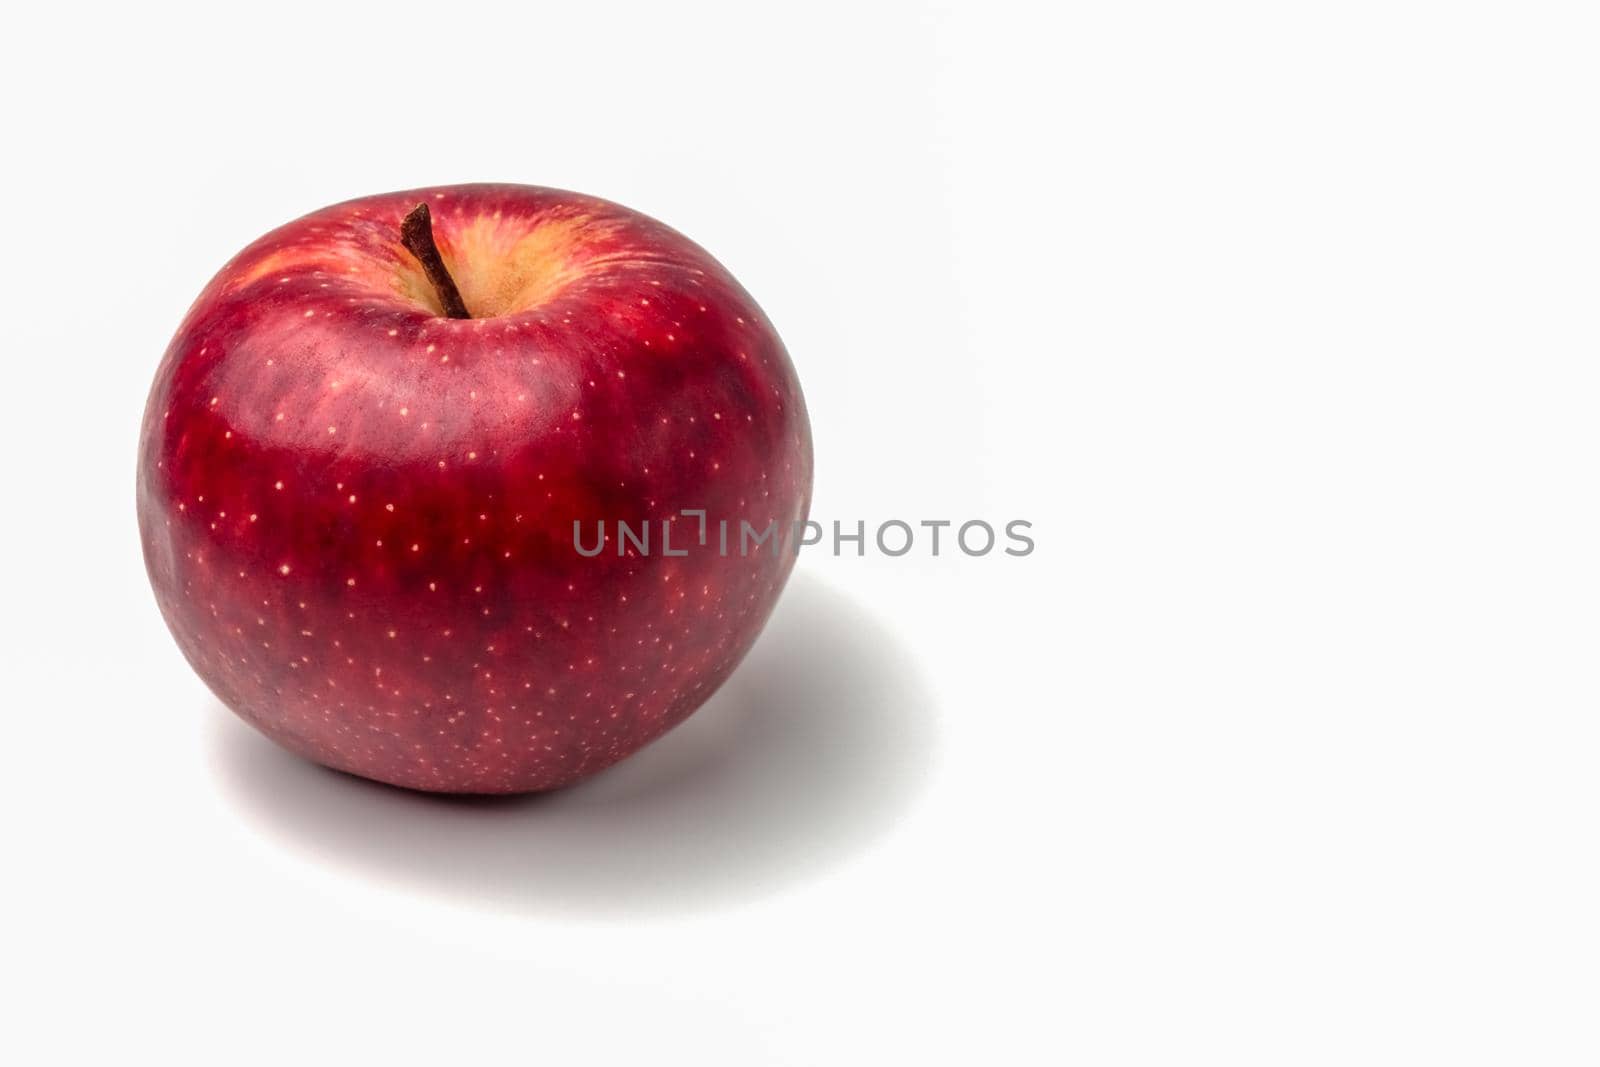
(416, 233)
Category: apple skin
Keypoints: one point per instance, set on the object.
(357, 515)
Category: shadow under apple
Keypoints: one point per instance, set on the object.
(816, 745)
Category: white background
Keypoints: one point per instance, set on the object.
(1277, 320)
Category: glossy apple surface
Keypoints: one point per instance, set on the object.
(357, 514)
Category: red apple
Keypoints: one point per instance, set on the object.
(358, 507)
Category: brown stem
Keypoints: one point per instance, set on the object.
(416, 233)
